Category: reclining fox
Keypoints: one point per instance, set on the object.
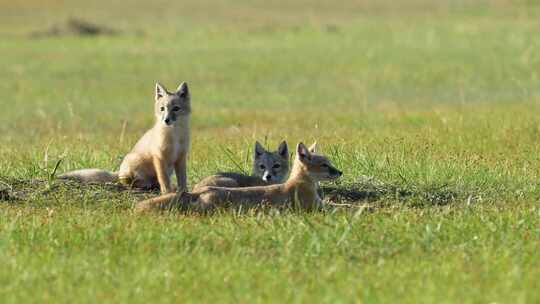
(269, 167)
(300, 189)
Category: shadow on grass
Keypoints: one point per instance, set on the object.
(382, 194)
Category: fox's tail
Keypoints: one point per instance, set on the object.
(170, 201)
(91, 176)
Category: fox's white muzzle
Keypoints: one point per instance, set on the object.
(267, 176)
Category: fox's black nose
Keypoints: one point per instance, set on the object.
(167, 120)
(335, 171)
(268, 177)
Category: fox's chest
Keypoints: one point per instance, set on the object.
(174, 146)
(179, 146)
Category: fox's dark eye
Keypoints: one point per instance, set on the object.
(176, 109)
(276, 166)
(262, 167)
(162, 109)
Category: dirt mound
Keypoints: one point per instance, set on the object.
(14, 190)
(74, 27)
(364, 191)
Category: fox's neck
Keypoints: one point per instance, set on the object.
(301, 188)
(301, 184)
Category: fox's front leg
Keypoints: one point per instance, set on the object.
(180, 168)
(319, 203)
(162, 176)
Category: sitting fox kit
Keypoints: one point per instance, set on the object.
(299, 190)
(162, 149)
(268, 168)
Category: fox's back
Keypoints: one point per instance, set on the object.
(248, 196)
(230, 180)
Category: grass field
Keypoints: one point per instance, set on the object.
(431, 109)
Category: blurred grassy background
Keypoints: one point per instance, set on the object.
(418, 95)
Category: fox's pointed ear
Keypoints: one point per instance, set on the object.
(259, 149)
(302, 152)
(313, 148)
(160, 91)
(283, 150)
(183, 90)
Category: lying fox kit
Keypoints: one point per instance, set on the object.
(300, 189)
(162, 149)
(268, 168)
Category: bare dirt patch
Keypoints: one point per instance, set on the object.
(75, 27)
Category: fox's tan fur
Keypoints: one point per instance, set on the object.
(299, 190)
(269, 167)
(162, 149)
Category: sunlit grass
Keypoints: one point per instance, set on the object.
(430, 109)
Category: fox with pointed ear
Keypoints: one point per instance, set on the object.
(299, 190)
(269, 167)
(160, 151)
